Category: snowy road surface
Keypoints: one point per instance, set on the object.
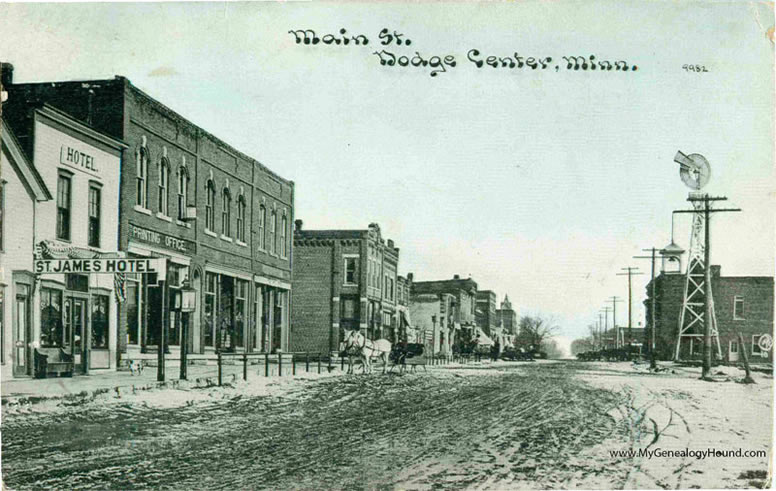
(505, 426)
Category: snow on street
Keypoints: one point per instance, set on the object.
(500, 426)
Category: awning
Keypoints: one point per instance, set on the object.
(49, 249)
(482, 339)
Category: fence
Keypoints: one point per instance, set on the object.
(248, 365)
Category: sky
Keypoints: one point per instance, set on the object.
(540, 184)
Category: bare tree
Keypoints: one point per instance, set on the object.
(535, 330)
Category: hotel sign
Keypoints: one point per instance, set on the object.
(103, 266)
(78, 159)
(140, 234)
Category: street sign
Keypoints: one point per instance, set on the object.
(766, 342)
(102, 266)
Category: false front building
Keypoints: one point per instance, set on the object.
(60, 202)
(219, 218)
(343, 279)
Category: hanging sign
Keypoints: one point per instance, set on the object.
(102, 266)
(765, 342)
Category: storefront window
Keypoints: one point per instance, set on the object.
(134, 303)
(210, 308)
(100, 322)
(51, 329)
(240, 305)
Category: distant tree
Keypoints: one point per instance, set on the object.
(535, 330)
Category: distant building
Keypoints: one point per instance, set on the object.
(507, 317)
(743, 304)
(485, 314)
(406, 330)
(444, 311)
(343, 279)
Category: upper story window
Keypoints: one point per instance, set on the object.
(283, 237)
(273, 227)
(226, 212)
(350, 270)
(183, 192)
(210, 218)
(241, 218)
(95, 211)
(164, 187)
(64, 192)
(141, 192)
(262, 227)
(738, 307)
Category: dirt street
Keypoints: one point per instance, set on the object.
(476, 427)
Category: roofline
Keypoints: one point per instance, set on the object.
(203, 131)
(128, 83)
(65, 119)
(29, 172)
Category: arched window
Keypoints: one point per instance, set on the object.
(141, 191)
(241, 218)
(283, 235)
(273, 228)
(262, 227)
(183, 192)
(210, 216)
(164, 187)
(226, 212)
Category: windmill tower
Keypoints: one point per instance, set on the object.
(695, 173)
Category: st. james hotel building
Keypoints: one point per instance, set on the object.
(220, 218)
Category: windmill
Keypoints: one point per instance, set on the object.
(695, 172)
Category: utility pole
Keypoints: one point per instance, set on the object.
(707, 210)
(606, 311)
(652, 326)
(630, 272)
(614, 300)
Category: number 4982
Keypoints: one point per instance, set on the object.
(694, 68)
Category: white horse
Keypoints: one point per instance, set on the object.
(356, 345)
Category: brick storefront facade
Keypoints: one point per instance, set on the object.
(751, 295)
(221, 219)
(343, 279)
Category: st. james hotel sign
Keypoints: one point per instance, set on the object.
(159, 239)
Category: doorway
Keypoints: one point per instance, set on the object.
(22, 331)
(74, 329)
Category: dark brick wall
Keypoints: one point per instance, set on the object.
(758, 309)
(312, 298)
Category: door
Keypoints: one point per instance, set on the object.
(733, 350)
(22, 334)
(76, 329)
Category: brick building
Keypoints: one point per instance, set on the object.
(485, 314)
(444, 311)
(343, 279)
(220, 218)
(742, 304)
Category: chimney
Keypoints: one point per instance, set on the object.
(6, 74)
(390, 244)
(298, 225)
(409, 276)
(456, 277)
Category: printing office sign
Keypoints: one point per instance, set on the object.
(102, 266)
